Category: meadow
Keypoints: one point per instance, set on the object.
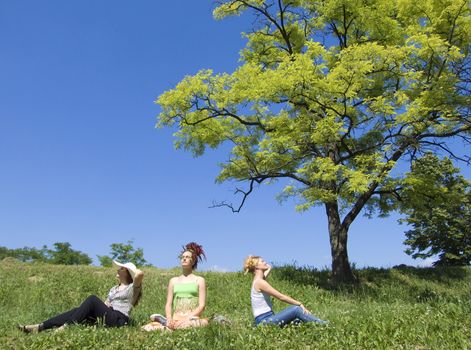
(398, 308)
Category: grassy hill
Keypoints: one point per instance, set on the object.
(390, 309)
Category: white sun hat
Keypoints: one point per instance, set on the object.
(128, 266)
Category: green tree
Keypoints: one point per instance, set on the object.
(124, 252)
(61, 254)
(105, 260)
(65, 255)
(25, 254)
(437, 203)
(329, 96)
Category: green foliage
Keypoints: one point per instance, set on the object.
(124, 252)
(61, 254)
(329, 96)
(329, 117)
(25, 254)
(403, 308)
(437, 202)
(64, 254)
(105, 260)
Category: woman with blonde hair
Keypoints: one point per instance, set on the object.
(261, 292)
(186, 295)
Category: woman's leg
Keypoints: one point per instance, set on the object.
(91, 309)
(58, 320)
(192, 323)
(154, 326)
(290, 314)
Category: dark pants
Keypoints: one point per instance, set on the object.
(90, 311)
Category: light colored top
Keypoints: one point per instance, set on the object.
(261, 302)
(123, 300)
(185, 296)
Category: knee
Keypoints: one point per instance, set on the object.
(298, 310)
(92, 299)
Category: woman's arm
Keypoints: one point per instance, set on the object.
(168, 304)
(138, 276)
(265, 274)
(264, 286)
(201, 298)
(107, 299)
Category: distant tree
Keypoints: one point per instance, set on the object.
(65, 255)
(4, 253)
(329, 96)
(437, 203)
(25, 254)
(124, 252)
(61, 254)
(105, 260)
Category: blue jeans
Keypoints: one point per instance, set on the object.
(291, 314)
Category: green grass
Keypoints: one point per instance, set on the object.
(389, 309)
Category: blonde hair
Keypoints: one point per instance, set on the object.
(250, 262)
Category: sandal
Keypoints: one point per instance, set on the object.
(159, 318)
(28, 328)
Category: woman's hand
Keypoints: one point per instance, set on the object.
(267, 272)
(173, 324)
(170, 323)
(305, 311)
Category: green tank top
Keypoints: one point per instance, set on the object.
(185, 296)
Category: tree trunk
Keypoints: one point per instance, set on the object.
(341, 270)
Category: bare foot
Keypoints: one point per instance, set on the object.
(154, 326)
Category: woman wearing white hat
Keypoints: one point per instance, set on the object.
(114, 311)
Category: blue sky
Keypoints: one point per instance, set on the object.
(82, 162)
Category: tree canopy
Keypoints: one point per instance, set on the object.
(124, 252)
(329, 96)
(437, 204)
(61, 254)
(64, 254)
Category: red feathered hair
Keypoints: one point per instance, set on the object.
(197, 252)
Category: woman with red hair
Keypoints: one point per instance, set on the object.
(186, 295)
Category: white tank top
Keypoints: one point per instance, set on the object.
(261, 302)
